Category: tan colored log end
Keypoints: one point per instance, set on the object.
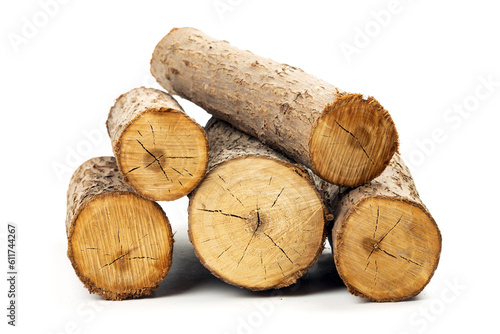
(257, 222)
(386, 249)
(353, 141)
(120, 245)
(161, 152)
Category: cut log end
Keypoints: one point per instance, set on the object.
(162, 154)
(257, 222)
(387, 249)
(120, 245)
(353, 141)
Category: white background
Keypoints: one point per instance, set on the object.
(424, 62)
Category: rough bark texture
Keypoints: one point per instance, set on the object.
(119, 243)
(227, 143)
(96, 176)
(256, 220)
(345, 138)
(161, 152)
(383, 235)
(134, 103)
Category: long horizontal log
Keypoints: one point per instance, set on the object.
(346, 139)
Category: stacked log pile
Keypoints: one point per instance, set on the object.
(286, 160)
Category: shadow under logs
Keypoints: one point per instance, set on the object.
(187, 273)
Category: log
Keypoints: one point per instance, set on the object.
(119, 243)
(161, 152)
(346, 139)
(256, 221)
(385, 243)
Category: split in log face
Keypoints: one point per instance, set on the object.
(256, 223)
(161, 152)
(162, 161)
(387, 249)
(119, 243)
(353, 140)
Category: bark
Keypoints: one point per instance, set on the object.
(385, 242)
(119, 243)
(256, 221)
(227, 143)
(345, 138)
(161, 152)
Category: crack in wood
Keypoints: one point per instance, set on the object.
(153, 131)
(225, 250)
(376, 246)
(411, 261)
(176, 171)
(152, 162)
(357, 140)
(118, 258)
(236, 198)
(223, 213)
(281, 249)
(386, 252)
(119, 241)
(277, 197)
(172, 157)
(220, 177)
(251, 238)
(156, 159)
(392, 228)
(376, 223)
(134, 169)
(245, 250)
(282, 273)
(376, 274)
(367, 264)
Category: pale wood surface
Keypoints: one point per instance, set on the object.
(256, 221)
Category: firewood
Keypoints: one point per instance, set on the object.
(345, 138)
(119, 243)
(256, 221)
(385, 243)
(161, 152)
